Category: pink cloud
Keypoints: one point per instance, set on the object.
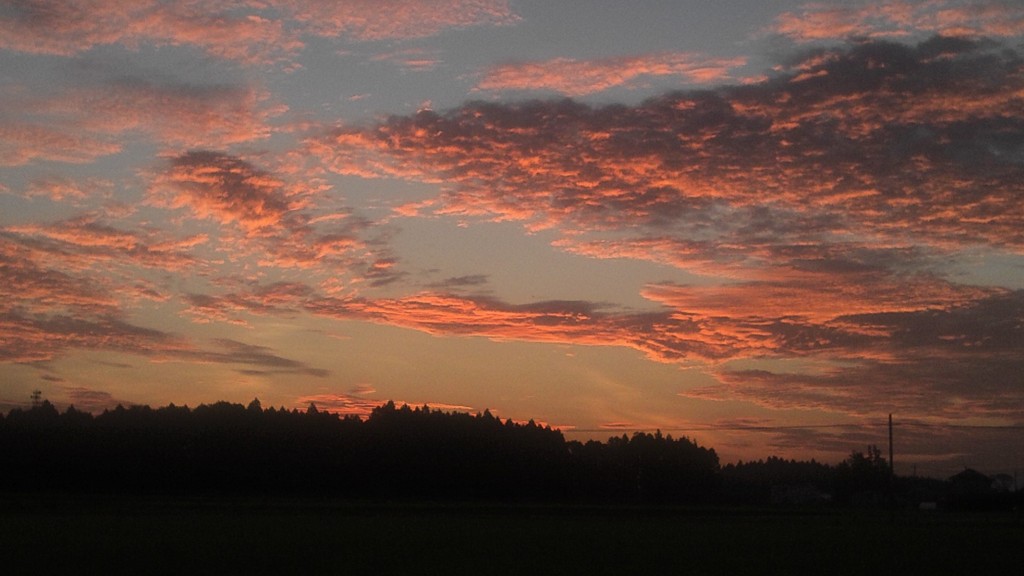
(821, 22)
(84, 124)
(59, 291)
(363, 389)
(411, 59)
(661, 336)
(86, 241)
(282, 298)
(255, 33)
(90, 400)
(886, 140)
(911, 385)
(342, 404)
(226, 189)
(21, 143)
(69, 285)
(580, 77)
(351, 405)
(45, 314)
(39, 337)
(30, 284)
(67, 190)
(950, 363)
(944, 348)
(277, 220)
(394, 19)
(85, 233)
(823, 207)
(900, 18)
(816, 300)
(185, 116)
(69, 27)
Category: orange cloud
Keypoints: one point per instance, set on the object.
(69, 27)
(179, 115)
(580, 77)
(823, 205)
(83, 124)
(915, 385)
(73, 274)
(89, 400)
(390, 19)
(275, 220)
(72, 284)
(821, 22)
(258, 360)
(900, 18)
(944, 349)
(85, 242)
(59, 324)
(68, 285)
(67, 190)
(37, 337)
(227, 189)
(264, 32)
(662, 336)
(342, 404)
(351, 405)
(818, 301)
(21, 143)
(413, 59)
(950, 363)
(31, 285)
(893, 143)
(282, 298)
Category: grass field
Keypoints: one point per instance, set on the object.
(118, 536)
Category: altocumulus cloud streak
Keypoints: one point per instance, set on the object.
(250, 32)
(576, 78)
(833, 191)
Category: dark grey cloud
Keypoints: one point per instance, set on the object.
(33, 337)
(234, 352)
(965, 362)
(919, 142)
(469, 281)
(90, 400)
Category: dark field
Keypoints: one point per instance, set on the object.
(138, 536)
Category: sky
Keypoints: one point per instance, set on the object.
(762, 225)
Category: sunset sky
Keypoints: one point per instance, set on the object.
(762, 225)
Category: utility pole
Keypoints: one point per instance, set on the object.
(892, 478)
(892, 470)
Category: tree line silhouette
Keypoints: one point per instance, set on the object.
(406, 453)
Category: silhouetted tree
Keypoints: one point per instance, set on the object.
(254, 406)
(396, 452)
(761, 481)
(863, 478)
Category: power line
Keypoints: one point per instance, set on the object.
(961, 426)
(710, 427)
(771, 428)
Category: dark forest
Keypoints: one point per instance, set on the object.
(419, 454)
